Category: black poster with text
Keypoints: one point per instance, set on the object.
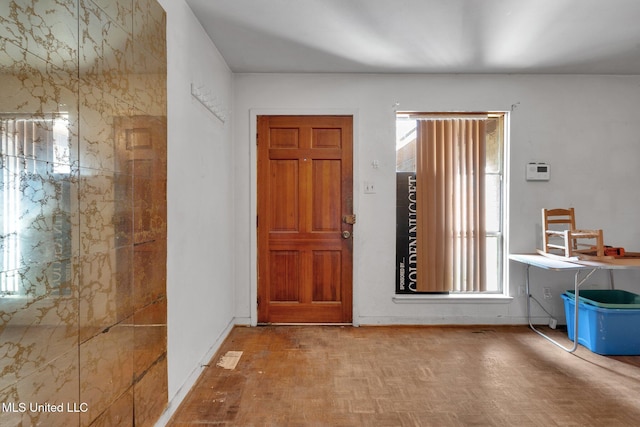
(406, 256)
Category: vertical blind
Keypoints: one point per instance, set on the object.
(450, 163)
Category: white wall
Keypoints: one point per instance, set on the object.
(200, 278)
(585, 127)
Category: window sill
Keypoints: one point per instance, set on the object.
(453, 298)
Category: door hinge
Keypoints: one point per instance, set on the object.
(258, 301)
(257, 220)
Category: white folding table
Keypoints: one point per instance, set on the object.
(577, 266)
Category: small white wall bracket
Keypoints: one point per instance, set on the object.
(209, 101)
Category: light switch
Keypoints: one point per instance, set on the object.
(369, 187)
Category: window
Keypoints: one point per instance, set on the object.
(450, 170)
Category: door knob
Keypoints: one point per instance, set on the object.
(346, 234)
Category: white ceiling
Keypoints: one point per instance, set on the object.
(425, 36)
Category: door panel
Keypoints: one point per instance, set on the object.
(285, 268)
(327, 277)
(284, 203)
(326, 197)
(305, 188)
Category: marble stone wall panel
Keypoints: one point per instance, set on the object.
(106, 369)
(149, 89)
(150, 336)
(149, 28)
(149, 217)
(32, 85)
(47, 138)
(142, 139)
(38, 327)
(105, 291)
(149, 273)
(150, 394)
(49, 279)
(106, 211)
(118, 11)
(106, 52)
(46, 28)
(124, 210)
(142, 150)
(119, 413)
(39, 213)
(83, 229)
(56, 383)
(38, 108)
(148, 83)
(98, 125)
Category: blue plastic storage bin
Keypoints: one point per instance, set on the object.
(608, 298)
(606, 331)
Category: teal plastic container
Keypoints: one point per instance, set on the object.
(608, 298)
(603, 326)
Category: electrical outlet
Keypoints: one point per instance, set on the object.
(547, 292)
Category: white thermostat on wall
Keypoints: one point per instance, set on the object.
(538, 172)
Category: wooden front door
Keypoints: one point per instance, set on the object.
(305, 216)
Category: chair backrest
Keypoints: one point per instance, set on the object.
(557, 220)
(560, 224)
(561, 219)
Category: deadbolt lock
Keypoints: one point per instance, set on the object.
(349, 219)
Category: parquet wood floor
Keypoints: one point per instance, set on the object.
(411, 376)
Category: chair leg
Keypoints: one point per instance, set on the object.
(600, 244)
(568, 243)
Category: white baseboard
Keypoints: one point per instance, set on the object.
(450, 320)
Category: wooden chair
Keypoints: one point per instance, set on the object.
(559, 234)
